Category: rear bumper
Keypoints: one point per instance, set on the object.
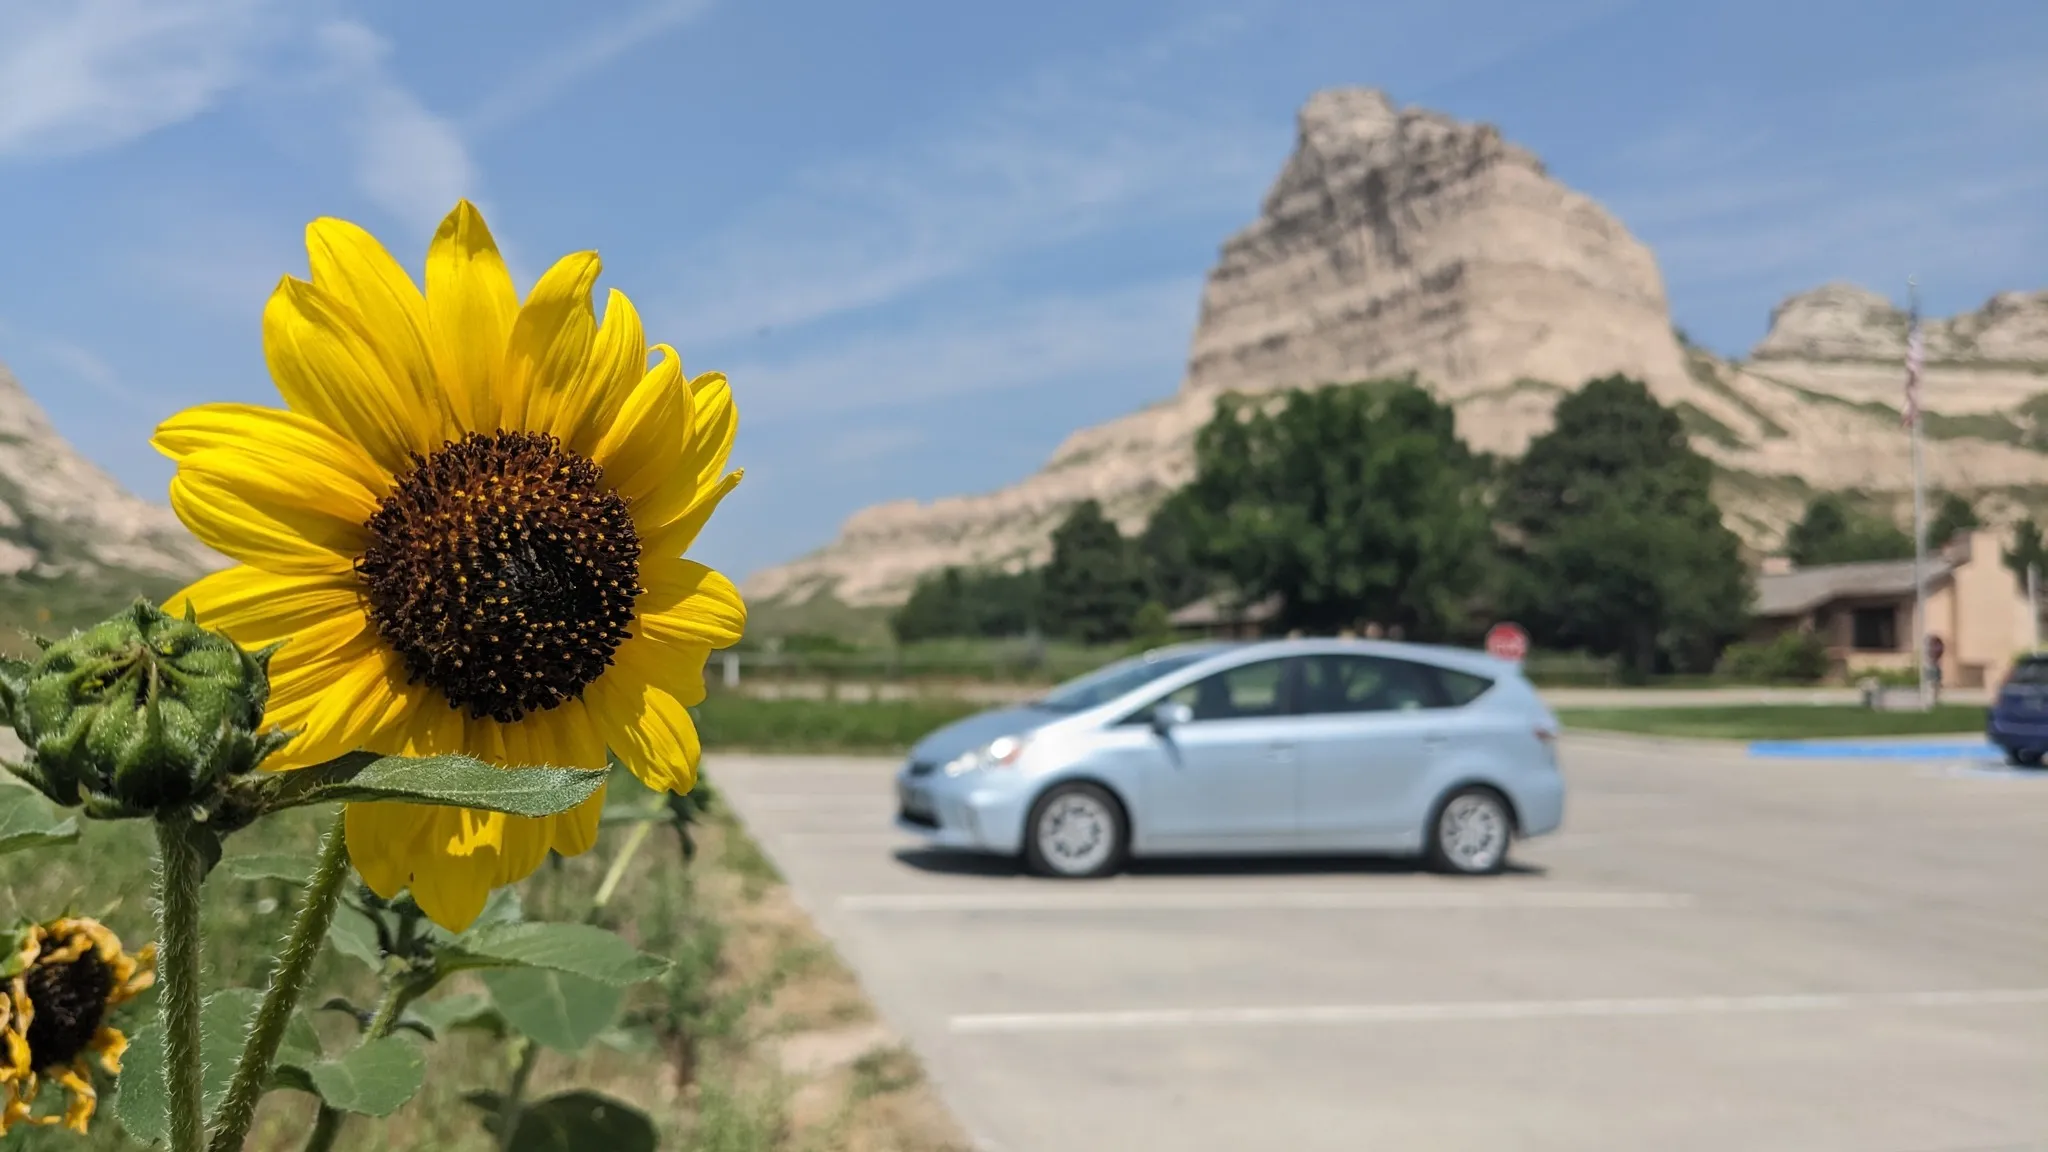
(2007, 732)
(1539, 805)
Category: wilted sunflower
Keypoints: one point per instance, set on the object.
(468, 524)
(62, 980)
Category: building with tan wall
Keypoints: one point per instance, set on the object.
(1864, 612)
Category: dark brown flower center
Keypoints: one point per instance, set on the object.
(504, 572)
(70, 1001)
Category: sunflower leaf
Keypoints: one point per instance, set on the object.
(578, 949)
(141, 1104)
(449, 781)
(559, 1010)
(574, 1121)
(27, 820)
(374, 1080)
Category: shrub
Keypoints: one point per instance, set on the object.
(1791, 657)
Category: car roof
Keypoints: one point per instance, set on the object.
(1460, 659)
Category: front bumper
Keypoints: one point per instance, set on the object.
(977, 812)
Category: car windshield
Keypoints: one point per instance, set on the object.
(2030, 672)
(1106, 684)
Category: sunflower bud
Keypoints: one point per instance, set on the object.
(141, 714)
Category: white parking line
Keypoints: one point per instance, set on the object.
(803, 801)
(1367, 1014)
(914, 902)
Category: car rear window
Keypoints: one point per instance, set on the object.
(1461, 688)
(2030, 672)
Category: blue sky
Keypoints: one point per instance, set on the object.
(928, 239)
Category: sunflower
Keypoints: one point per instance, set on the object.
(62, 980)
(468, 522)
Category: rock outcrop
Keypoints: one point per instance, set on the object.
(1399, 241)
(62, 516)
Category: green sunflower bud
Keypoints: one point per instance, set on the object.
(142, 714)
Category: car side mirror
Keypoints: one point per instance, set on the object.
(1169, 714)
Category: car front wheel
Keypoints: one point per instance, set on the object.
(1470, 834)
(2023, 757)
(1076, 832)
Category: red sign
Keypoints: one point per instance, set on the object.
(1507, 641)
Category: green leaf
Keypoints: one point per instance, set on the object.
(560, 1010)
(449, 781)
(354, 934)
(575, 948)
(142, 1106)
(374, 1080)
(578, 1121)
(450, 1013)
(29, 820)
(290, 867)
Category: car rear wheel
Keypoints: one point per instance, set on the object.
(1076, 832)
(2023, 757)
(1470, 834)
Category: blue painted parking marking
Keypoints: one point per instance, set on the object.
(1875, 750)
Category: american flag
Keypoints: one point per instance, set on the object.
(1913, 354)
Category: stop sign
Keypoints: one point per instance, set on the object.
(1507, 641)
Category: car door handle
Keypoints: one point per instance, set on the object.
(1280, 751)
(1435, 740)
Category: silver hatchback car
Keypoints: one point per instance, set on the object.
(1322, 746)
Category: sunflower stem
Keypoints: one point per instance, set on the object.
(398, 994)
(287, 984)
(326, 1126)
(181, 869)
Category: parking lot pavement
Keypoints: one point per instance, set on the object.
(1717, 953)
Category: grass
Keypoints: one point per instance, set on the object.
(750, 975)
(728, 720)
(1776, 721)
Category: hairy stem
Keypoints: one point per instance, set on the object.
(180, 872)
(515, 1093)
(287, 984)
(326, 1126)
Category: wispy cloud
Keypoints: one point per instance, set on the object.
(1079, 150)
(409, 160)
(534, 88)
(80, 77)
(1107, 336)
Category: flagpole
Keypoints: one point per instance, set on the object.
(1919, 504)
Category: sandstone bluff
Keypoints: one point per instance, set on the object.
(1400, 240)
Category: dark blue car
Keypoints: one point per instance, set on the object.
(2018, 721)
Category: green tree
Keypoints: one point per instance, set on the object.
(1350, 503)
(960, 602)
(1169, 553)
(1614, 543)
(1092, 588)
(1954, 517)
(2027, 550)
(1831, 532)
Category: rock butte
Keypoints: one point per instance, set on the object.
(62, 516)
(1401, 241)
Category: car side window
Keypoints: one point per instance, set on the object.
(1333, 684)
(1241, 693)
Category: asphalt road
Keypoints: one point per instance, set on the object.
(1718, 953)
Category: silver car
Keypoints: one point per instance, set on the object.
(1325, 746)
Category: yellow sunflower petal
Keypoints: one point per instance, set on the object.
(312, 614)
(716, 422)
(618, 358)
(472, 305)
(327, 366)
(275, 435)
(252, 516)
(550, 343)
(674, 538)
(383, 840)
(640, 706)
(689, 604)
(339, 701)
(639, 450)
(452, 881)
(350, 264)
(576, 830)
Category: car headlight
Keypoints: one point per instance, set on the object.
(1001, 752)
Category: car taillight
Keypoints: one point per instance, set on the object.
(1546, 737)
